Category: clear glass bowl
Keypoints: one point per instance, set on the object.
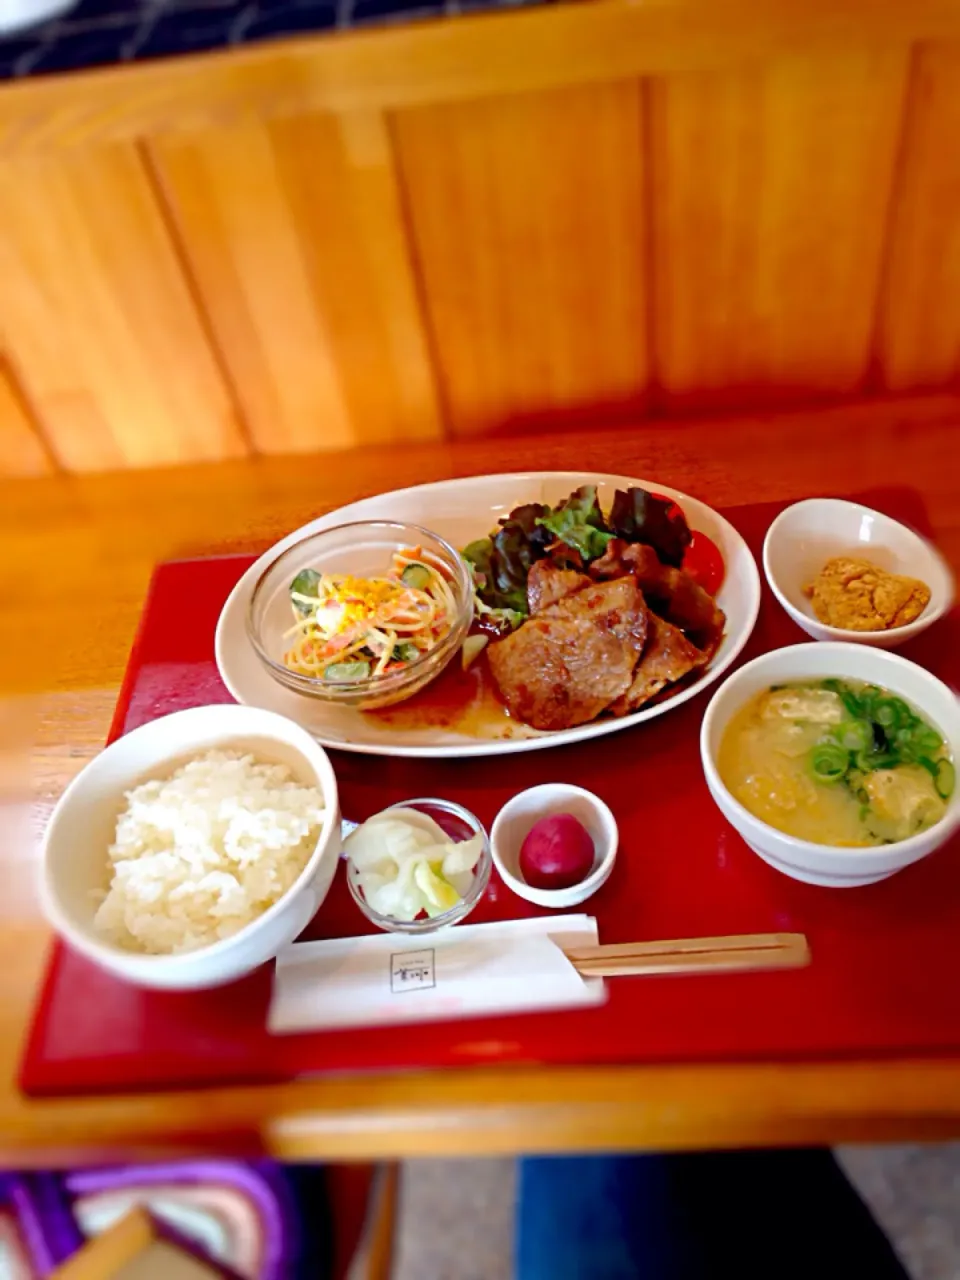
(459, 824)
(363, 549)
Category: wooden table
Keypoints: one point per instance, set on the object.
(77, 555)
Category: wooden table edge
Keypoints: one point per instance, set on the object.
(502, 1112)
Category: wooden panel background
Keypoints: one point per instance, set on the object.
(478, 225)
(22, 452)
(528, 225)
(919, 322)
(771, 189)
(293, 232)
(100, 320)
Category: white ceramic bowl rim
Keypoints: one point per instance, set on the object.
(855, 653)
(91, 947)
(369, 682)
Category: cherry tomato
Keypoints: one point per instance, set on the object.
(702, 560)
(674, 509)
(704, 563)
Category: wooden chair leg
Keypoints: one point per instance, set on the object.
(381, 1224)
(363, 1205)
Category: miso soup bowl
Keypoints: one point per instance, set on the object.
(803, 859)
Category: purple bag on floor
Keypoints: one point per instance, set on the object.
(260, 1221)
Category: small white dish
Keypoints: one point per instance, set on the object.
(803, 859)
(517, 817)
(75, 859)
(805, 536)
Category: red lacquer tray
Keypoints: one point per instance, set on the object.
(875, 986)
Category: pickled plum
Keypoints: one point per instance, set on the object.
(556, 853)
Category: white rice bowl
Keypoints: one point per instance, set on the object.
(195, 887)
(200, 854)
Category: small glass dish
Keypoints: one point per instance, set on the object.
(459, 824)
(364, 550)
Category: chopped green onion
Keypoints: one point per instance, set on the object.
(868, 761)
(882, 732)
(927, 739)
(869, 698)
(945, 780)
(405, 652)
(829, 761)
(854, 735)
(887, 714)
(943, 773)
(345, 672)
(886, 760)
(853, 704)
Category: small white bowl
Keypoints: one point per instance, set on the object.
(517, 817)
(805, 536)
(75, 861)
(803, 859)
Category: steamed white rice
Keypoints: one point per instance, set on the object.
(200, 854)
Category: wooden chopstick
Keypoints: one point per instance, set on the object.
(740, 953)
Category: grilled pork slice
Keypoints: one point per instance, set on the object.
(667, 657)
(573, 659)
(547, 584)
(670, 592)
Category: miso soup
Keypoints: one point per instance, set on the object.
(837, 762)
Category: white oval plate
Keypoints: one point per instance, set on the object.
(460, 511)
